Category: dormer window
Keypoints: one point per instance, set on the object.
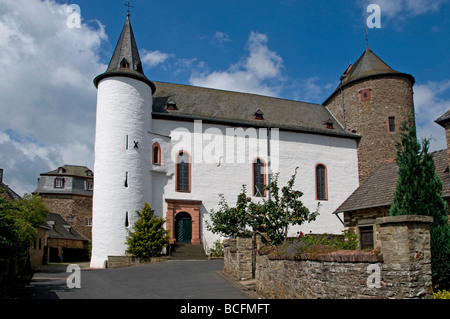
(259, 115)
(329, 125)
(171, 105)
(61, 170)
(89, 173)
(124, 64)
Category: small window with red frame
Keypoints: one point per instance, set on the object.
(365, 94)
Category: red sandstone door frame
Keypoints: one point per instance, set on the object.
(176, 206)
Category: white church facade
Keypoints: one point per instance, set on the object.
(177, 147)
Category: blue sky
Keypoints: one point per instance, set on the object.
(290, 49)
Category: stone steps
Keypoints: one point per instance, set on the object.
(181, 251)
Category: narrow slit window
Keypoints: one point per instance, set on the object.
(391, 124)
(156, 154)
(126, 179)
(127, 223)
(321, 182)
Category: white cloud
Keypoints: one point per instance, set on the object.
(153, 58)
(431, 100)
(259, 73)
(398, 10)
(220, 38)
(48, 98)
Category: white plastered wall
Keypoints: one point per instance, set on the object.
(123, 117)
(215, 172)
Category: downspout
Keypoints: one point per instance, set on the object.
(343, 107)
(268, 160)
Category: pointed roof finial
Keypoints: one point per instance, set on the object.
(129, 6)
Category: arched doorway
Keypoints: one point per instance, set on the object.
(177, 206)
(183, 227)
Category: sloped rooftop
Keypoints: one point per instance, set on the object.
(234, 108)
(368, 65)
(70, 170)
(378, 190)
(60, 228)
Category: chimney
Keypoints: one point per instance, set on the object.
(1, 175)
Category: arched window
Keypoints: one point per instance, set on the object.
(183, 172)
(156, 154)
(321, 182)
(259, 178)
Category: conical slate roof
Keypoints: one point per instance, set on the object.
(369, 64)
(126, 60)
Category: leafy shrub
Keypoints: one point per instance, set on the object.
(441, 294)
(312, 243)
(217, 251)
(19, 220)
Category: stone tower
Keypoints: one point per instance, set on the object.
(372, 100)
(122, 148)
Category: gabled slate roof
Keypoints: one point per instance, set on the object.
(60, 228)
(444, 119)
(239, 109)
(378, 190)
(9, 192)
(5, 190)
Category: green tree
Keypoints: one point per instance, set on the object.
(283, 209)
(19, 221)
(231, 221)
(149, 237)
(418, 191)
(272, 216)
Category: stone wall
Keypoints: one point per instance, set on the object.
(79, 208)
(128, 261)
(238, 257)
(399, 267)
(391, 96)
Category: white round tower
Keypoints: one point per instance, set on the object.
(122, 149)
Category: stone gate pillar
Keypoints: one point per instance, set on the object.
(404, 242)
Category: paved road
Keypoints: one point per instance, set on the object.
(177, 279)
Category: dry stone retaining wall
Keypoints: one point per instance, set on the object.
(400, 267)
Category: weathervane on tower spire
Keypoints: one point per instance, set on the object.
(129, 6)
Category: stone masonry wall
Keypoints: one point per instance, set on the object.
(77, 207)
(129, 261)
(399, 268)
(391, 96)
(238, 257)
